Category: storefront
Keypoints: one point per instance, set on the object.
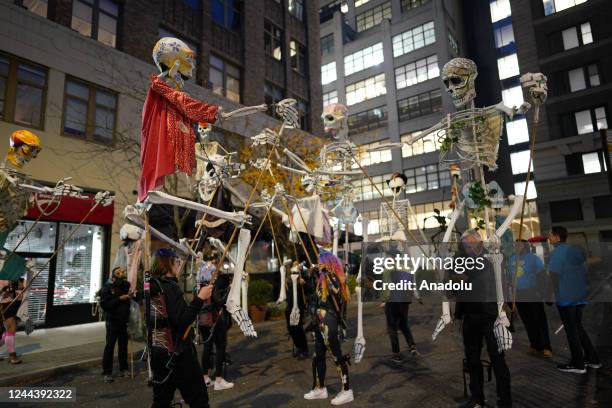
(64, 292)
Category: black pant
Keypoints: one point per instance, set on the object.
(577, 338)
(297, 333)
(186, 377)
(115, 333)
(534, 318)
(326, 338)
(219, 340)
(477, 327)
(397, 319)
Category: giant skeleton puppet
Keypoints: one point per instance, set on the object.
(470, 138)
(17, 194)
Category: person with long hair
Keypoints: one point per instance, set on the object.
(9, 311)
(174, 360)
(331, 297)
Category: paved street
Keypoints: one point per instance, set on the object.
(267, 376)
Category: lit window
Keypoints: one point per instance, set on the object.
(503, 35)
(369, 120)
(591, 163)
(413, 39)
(273, 41)
(554, 6)
(328, 73)
(576, 79)
(410, 4)
(224, 78)
(519, 162)
(513, 97)
(373, 17)
(416, 72)
(36, 6)
(508, 66)
(296, 8)
(426, 144)
(600, 118)
(587, 35)
(89, 112)
(367, 89)
(517, 131)
(297, 56)
(500, 9)
(360, 2)
(570, 38)
(519, 189)
(429, 177)
(363, 59)
(96, 19)
(584, 123)
(329, 98)
(374, 157)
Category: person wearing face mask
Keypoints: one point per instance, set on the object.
(115, 301)
(478, 310)
(173, 358)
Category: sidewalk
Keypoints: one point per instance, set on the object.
(48, 352)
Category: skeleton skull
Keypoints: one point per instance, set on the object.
(174, 58)
(459, 75)
(335, 119)
(24, 146)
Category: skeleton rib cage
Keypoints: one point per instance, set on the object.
(471, 137)
(389, 223)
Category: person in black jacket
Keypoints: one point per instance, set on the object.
(297, 333)
(174, 360)
(115, 301)
(213, 323)
(478, 309)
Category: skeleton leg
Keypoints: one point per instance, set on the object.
(135, 220)
(159, 197)
(283, 289)
(294, 317)
(233, 299)
(360, 342)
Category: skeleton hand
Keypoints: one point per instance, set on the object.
(63, 189)
(537, 86)
(267, 136)
(502, 334)
(287, 111)
(294, 317)
(445, 319)
(525, 106)
(359, 349)
(104, 198)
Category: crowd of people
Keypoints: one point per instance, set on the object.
(323, 295)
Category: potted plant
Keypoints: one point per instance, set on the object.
(260, 293)
(276, 312)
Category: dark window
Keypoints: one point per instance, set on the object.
(273, 40)
(96, 19)
(302, 107)
(296, 8)
(327, 44)
(327, 12)
(419, 105)
(410, 4)
(585, 163)
(573, 164)
(35, 6)
(272, 94)
(368, 120)
(603, 206)
(22, 92)
(429, 177)
(566, 210)
(226, 13)
(224, 78)
(89, 111)
(183, 15)
(297, 55)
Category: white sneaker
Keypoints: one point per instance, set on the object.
(221, 384)
(317, 393)
(343, 397)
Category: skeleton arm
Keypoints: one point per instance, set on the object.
(294, 317)
(283, 288)
(360, 342)
(238, 218)
(244, 111)
(135, 220)
(243, 199)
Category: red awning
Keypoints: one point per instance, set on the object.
(73, 209)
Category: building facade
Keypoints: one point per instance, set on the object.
(76, 73)
(571, 43)
(382, 58)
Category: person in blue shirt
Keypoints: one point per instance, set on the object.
(528, 273)
(567, 267)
